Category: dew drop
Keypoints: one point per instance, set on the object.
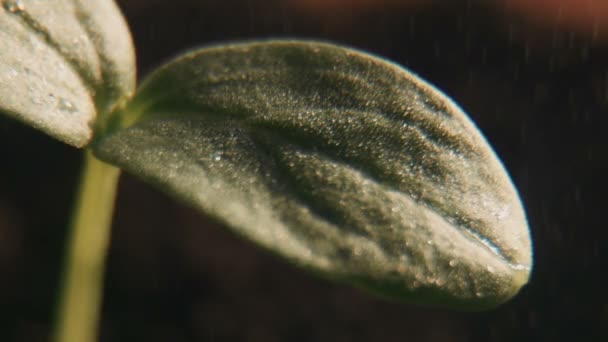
(440, 281)
(13, 6)
(65, 105)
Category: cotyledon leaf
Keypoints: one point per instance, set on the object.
(342, 162)
(62, 63)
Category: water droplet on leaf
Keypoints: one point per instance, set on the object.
(65, 105)
(13, 6)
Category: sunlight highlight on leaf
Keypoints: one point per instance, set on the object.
(63, 63)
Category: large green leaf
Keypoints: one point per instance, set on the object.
(337, 160)
(62, 62)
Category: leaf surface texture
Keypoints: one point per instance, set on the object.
(342, 162)
(63, 63)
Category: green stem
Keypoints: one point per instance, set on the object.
(82, 287)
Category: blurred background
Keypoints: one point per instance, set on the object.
(532, 74)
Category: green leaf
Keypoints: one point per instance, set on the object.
(337, 160)
(63, 62)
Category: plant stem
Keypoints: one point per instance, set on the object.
(82, 284)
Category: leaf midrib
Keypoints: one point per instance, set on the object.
(470, 233)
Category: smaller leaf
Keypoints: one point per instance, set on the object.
(62, 63)
(337, 160)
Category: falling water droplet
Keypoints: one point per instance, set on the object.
(437, 50)
(412, 26)
(527, 52)
(596, 30)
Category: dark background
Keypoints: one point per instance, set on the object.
(538, 89)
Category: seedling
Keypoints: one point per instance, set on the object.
(341, 162)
